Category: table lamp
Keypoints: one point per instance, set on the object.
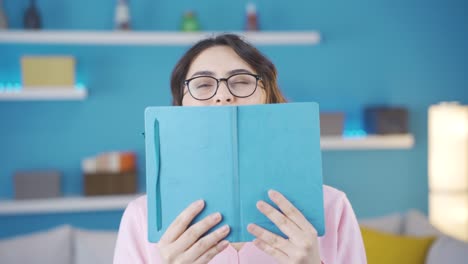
(448, 168)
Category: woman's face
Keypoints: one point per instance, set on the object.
(221, 62)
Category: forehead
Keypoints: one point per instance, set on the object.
(218, 59)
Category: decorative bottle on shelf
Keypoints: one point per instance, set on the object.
(252, 21)
(32, 18)
(190, 22)
(3, 17)
(122, 15)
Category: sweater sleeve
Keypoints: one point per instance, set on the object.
(350, 248)
(132, 241)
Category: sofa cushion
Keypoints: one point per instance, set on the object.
(417, 224)
(51, 246)
(94, 246)
(448, 250)
(391, 223)
(383, 248)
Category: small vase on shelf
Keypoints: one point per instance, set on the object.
(32, 18)
(190, 22)
(3, 17)
(122, 15)
(252, 19)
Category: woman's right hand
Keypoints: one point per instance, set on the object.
(182, 244)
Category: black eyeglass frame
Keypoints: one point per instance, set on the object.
(218, 81)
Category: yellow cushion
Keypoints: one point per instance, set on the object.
(383, 248)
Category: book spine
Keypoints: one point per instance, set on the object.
(158, 178)
(236, 179)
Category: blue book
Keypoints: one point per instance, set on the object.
(230, 156)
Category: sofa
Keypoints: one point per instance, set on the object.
(409, 238)
(61, 245)
(394, 238)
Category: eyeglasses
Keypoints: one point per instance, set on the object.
(205, 87)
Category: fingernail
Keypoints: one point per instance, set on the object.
(260, 204)
(273, 194)
(199, 203)
(216, 216)
(251, 227)
(223, 244)
(223, 229)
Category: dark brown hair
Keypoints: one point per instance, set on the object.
(261, 64)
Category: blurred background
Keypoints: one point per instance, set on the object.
(406, 54)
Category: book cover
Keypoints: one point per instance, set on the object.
(230, 156)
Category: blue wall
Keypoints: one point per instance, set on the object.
(411, 53)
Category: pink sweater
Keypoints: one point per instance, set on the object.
(342, 242)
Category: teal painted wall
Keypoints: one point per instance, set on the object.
(409, 53)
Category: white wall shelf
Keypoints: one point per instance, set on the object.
(370, 142)
(119, 202)
(66, 204)
(151, 37)
(44, 94)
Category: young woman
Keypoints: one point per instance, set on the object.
(225, 70)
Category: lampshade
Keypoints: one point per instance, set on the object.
(449, 213)
(448, 168)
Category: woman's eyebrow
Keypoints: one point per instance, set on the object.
(203, 73)
(210, 73)
(238, 71)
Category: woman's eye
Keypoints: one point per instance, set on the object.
(204, 86)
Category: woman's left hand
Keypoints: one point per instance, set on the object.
(302, 245)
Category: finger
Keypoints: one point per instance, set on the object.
(291, 211)
(191, 235)
(272, 239)
(212, 252)
(180, 224)
(275, 253)
(286, 226)
(207, 242)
